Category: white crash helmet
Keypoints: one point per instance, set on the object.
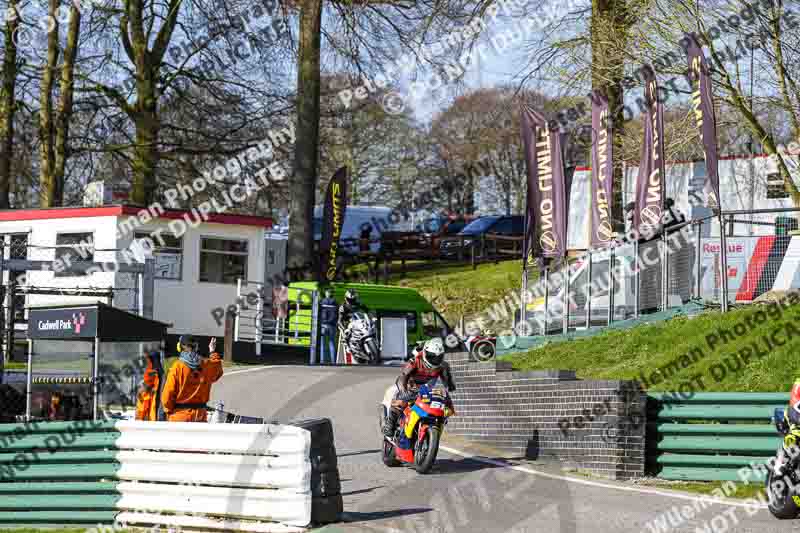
(433, 353)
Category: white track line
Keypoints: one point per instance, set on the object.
(233, 372)
(590, 483)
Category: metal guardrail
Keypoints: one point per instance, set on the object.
(710, 436)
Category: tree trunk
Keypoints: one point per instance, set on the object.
(65, 105)
(47, 184)
(306, 152)
(146, 155)
(144, 113)
(7, 102)
(609, 29)
(146, 120)
(468, 199)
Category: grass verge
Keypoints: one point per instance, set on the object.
(753, 349)
(458, 290)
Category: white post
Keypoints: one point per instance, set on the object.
(589, 291)
(546, 299)
(724, 246)
(259, 321)
(238, 309)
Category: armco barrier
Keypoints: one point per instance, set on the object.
(237, 477)
(709, 436)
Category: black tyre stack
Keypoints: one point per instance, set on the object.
(326, 487)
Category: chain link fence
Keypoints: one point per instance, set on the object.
(682, 265)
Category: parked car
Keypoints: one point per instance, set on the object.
(435, 228)
(509, 225)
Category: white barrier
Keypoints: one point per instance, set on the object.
(284, 472)
(246, 439)
(231, 474)
(202, 523)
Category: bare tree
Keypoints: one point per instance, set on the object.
(366, 35)
(54, 124)
(8, 104)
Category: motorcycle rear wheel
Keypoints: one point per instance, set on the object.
(426, 451)
(483, 351)
(780, 503)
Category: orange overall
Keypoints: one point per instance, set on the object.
(187, 391)
(146, 404)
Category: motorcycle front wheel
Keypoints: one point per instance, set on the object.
(779, 498)
(426, 450)
(371, 347)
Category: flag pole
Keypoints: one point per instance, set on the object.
(724, 253)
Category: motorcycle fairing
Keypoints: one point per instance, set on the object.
(414, 416)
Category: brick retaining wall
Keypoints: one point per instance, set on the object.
(519, 412)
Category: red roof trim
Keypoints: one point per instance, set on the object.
(10, 215)
(215, 218)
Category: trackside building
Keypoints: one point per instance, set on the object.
(198, 258)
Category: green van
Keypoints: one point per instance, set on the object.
(422, 320)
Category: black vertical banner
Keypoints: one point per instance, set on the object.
(546, 213)
(601, 229)
(649, 209)
(703, 108)
(332, 223)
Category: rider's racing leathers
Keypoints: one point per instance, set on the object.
(414, 373)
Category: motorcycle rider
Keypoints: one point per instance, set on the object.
(351, 305)
(792, 439)
(427, 364)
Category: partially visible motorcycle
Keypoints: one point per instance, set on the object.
(361, 340)
(480, 347)
(420, 427)
(782, 502)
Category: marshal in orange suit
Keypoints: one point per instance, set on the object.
(188, 385)
(147, 398)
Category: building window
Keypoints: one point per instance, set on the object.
(222, 260)
(72, 248)
(775, 186)
(168, 257)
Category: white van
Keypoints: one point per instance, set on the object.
(356, 218)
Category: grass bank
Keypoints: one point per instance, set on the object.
(752, 349)
(459, 290)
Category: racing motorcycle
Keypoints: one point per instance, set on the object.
(416, 438)
(481, 347)
(782, 501)
(361, 340)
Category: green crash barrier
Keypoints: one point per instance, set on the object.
(58, 473)
(710, 436)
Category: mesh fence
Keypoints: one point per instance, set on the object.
(683, 264)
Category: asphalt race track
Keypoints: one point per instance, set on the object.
(461, 494)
